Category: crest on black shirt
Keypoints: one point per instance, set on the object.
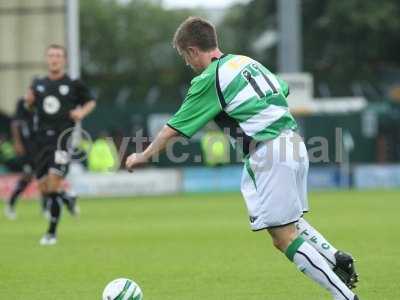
(63, 89)
(51, 105)
(40, 88)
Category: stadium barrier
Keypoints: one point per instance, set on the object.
(324, 178)
(123, 184)
(7, 183)
(156, 181)
(218, 179)
(376, 176)
(223, 179)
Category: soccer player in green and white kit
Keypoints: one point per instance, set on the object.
(249, 102)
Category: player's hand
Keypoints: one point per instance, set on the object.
(29, 97)
(76, 114)
(134, 160)
(19, 149)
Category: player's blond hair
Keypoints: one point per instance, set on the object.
(57, 46)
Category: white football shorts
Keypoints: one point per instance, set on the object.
(274, 181)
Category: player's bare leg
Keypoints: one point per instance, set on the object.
(309, 261)
(68, 198)
(45, 202)
(342, 263)
(42, 184)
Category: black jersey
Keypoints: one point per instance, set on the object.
(27, 121)
(54, 99)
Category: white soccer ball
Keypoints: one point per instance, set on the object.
(122, 289)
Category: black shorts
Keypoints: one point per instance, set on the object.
(51, 160)
(28, 159)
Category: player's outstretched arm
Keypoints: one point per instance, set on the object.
(80, 113)
(157, 146)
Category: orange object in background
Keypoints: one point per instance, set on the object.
(8, 182)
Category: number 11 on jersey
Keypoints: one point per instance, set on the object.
(269, 87)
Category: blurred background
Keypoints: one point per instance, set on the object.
(340, 59)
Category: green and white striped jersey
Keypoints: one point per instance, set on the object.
(244, 98)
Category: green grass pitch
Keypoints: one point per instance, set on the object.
(193, 247)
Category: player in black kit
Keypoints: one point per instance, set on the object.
(23, 132)
(60, 102)
(23, 128)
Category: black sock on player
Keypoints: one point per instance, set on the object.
(19, 188)
(55, 201)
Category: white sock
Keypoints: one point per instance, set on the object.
(312, 264)
(315, 239)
